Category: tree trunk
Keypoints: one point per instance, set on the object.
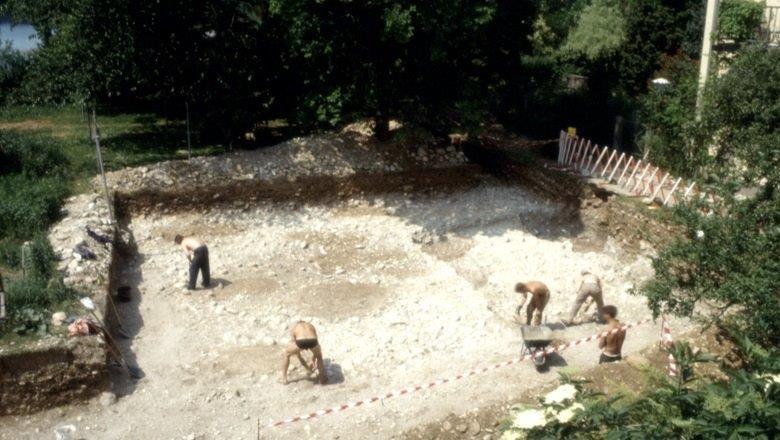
(382, 127)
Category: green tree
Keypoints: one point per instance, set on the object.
(726, 266)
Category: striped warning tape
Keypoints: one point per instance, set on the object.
(416, 388)
(666, 336)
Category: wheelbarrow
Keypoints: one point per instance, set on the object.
(536, 338)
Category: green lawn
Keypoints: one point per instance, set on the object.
(127, 139)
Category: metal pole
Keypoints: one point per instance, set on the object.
(96, 138)
(710, 28)
(189, 144)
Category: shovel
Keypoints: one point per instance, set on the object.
(113, 346)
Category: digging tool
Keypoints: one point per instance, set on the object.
(121, 329)
(112, 345)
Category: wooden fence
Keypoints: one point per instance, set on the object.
(638, 177)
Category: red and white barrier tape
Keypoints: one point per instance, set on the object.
(666, 337)
(416, 388)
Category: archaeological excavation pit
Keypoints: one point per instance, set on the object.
(407, 273)
(403, 286)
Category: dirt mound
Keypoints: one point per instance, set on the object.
(335, 155)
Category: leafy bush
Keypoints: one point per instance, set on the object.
(726, 268)
(747, 405)
(739, 20)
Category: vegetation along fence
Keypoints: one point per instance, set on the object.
(635, 175)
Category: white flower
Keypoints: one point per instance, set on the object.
(561, 394)
(565, 415)
(530, 418)
(700, 234)
(513, 435)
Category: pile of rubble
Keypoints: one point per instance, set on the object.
(84, 241)
(327, 154)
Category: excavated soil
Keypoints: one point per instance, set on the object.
(405, 283)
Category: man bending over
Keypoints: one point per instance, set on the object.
(611, 344)
(590, 286)
(540, 295)
(198, 255)
(304, 337)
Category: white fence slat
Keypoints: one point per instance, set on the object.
(590, 158)
(565, 149)
(617, 166)
(649, 183)
(637, 166)
(573, 150)
(560, 146)
(674, 188)
(688, 190)
(641, 178)
(573, 158)
(609, 161)
(588, 150)
(660, 185)
(625, 168)
(601, 156)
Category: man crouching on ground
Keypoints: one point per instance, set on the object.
(198, 255)
(304, 337)
(611, 344)
(540, 296)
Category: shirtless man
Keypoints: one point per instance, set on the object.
(612, 344)
(304, 337)
(590, 286)
(540, 295)
(198, 255)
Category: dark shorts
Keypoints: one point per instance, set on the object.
(306, 344)
(605, 359)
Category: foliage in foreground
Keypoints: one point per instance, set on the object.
(746, 405)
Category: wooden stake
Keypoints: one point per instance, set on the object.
(641, 178)
(609, 161)
(628, 164)
(660, 185)
(649, 182)
(674, 188)
(617, 166)
(588, 151)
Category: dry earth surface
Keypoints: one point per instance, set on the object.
(404, 286)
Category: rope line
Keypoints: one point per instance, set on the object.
(441, 381)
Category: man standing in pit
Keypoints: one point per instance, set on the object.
(540, 296)
(611, 345)
(198, 255)
(590, 286)
(304, 337)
